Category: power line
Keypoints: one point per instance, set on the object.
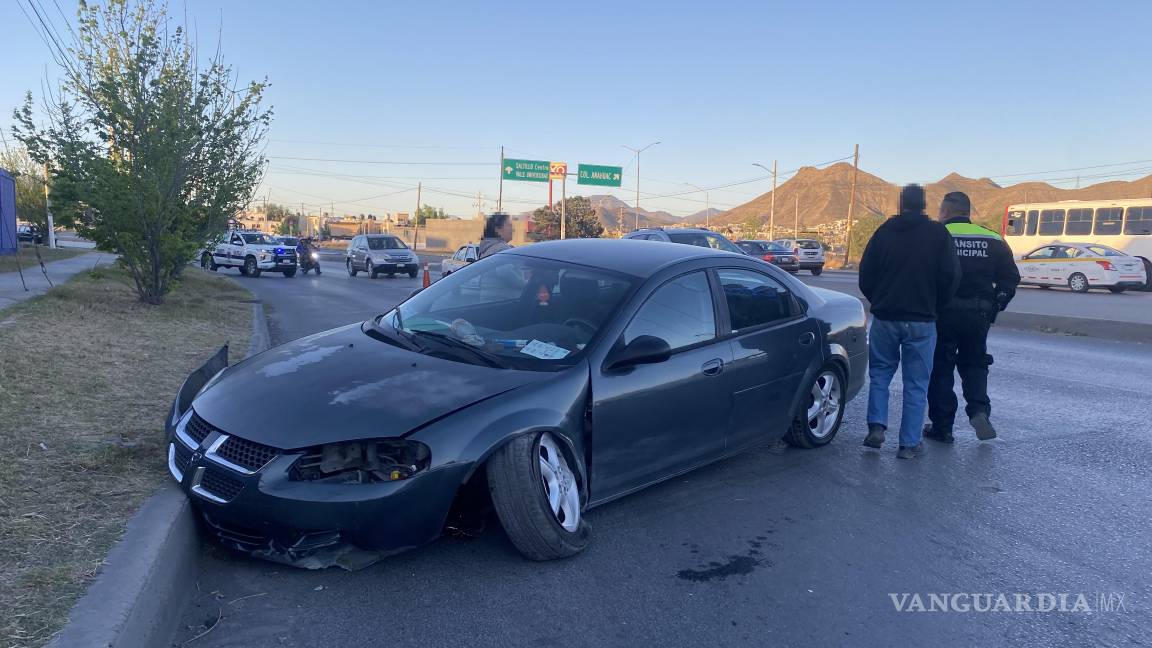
(1085, 168)
(311, 159)
(390, 146)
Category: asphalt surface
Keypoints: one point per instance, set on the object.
(15, 288)
(769, 548)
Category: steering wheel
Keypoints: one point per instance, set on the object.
(576, 322)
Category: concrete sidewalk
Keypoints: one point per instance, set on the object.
(12, 290)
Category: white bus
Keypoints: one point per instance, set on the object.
(1122, 224)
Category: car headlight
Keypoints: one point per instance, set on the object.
(362, 462)
(263, 255)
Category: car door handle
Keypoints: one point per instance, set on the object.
(807, 339)
(712, 367)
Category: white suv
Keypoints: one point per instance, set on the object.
(810, 251)
(252, 253)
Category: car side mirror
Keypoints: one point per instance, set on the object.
(646, 349)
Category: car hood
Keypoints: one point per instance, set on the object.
(343, 385)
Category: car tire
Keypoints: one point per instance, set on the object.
(370, 269)
(821, 411)
(1078, 283)
(390, 275)
(290, 273)
(206, 262)
(1147, 274)
(412, 274)
(816, 271)
(317, 268)
(250, 269)
(539, 528)
(351, 268)
(1116, 290)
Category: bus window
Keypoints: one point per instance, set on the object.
(1052, 222)
(1139, 221)
(1033, 217)
(1079, 222)
(1015, 223)
(1108, 221)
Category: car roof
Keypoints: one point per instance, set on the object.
(626, 256)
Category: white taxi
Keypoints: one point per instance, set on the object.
(1081, 266)
(466, 255)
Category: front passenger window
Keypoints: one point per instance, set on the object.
(754, 299)
(680, 312)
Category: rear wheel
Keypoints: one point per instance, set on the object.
(1078, 282)
(351, 268)
(823, 410)
(1147, 275)
(816, 271)
(537, 497)
(1116, 289)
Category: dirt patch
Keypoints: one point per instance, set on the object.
(29, 262)
(87, 374)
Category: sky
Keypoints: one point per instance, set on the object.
(364, 90)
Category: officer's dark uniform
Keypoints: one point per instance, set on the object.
(987, 284)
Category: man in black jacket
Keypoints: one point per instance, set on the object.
(988, 284)
(909, 271)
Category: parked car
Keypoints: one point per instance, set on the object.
(29, 234)
(252, 252)
(541, 385)
(466, 255)
(809, 251)
(1081, 267)
(378, 254)
(686, 235)
(772, 253)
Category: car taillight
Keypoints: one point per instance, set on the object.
(768, 258)
(1107, 265)
(796, 251)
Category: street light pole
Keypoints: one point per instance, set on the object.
(772, 222)
(638, 152)
(707, 205)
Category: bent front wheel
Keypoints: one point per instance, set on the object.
(537, 497)
(823, 410)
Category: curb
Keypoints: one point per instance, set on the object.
(1075, 326)
(138, 599)
(144, 582)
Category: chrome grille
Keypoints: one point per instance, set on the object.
(220, 484)
(182, 458)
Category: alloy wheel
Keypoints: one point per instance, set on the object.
(559, 483)
(825, 408)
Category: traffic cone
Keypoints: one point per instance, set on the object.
(427, 277)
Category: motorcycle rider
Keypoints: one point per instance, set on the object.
(988, 282)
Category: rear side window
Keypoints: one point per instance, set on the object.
(690, 239)
(754, 299)
(1052, 222)
(1042, 253)
(1138, 222)
(680, 312)
(1079, 222)
(1108, 221)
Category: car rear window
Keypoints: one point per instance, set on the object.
(808, 245)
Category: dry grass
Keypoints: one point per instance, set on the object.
(28, 259)
(87, 374)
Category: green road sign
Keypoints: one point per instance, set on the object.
(594, 174)
(530, 170)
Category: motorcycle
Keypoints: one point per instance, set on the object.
(310, 260)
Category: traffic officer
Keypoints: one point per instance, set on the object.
(988, 283)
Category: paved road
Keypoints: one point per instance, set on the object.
(1130, 306)
(798, 548)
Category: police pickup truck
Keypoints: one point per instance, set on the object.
(252, 253)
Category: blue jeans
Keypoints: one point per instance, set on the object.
(908, 345)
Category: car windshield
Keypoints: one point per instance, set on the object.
(525, 313)
(256, 239)
(386, 243)
(1104, 250)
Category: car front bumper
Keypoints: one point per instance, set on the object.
(808, 264)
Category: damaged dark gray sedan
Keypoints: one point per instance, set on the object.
(541, 382)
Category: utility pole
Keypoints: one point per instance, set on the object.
(772, 216)
(852, 203)
(416, 231)
(500, 196)
(48, 210)
(796, 235)
(638, 152)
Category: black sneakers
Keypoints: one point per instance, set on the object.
(875, 437)
(939, 433)
(984, 429)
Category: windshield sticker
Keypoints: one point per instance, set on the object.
(544, 350)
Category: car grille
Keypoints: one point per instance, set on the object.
(198, 429)
(183, 457)
(217, 482)
(246, 454)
